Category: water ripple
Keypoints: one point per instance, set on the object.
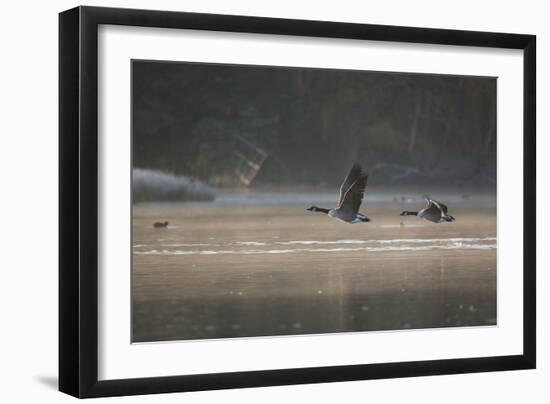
(395, 245)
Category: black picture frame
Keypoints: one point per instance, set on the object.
(78, 201)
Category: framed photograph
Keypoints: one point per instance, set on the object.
(251, 201)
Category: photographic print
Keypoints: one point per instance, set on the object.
(272, 201)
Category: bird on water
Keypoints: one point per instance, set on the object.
(434, 211)
(351, 195)
(160, 225)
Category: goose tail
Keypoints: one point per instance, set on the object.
(362, 218)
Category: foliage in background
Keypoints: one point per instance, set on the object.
(229, 124)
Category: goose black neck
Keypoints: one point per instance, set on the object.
(323, 210)
(407, 213)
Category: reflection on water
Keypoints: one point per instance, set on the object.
(256, 270)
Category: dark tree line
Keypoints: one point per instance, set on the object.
(287, 126)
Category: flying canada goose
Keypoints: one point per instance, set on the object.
(433, 211)
(351, 196)
(160, 225)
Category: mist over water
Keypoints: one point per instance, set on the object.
(153, 185)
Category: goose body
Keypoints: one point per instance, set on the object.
(351, 195)
(434, 211)
(160, 225)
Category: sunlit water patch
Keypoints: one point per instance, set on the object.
(319, 246)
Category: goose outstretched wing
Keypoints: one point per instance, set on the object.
(352, 198)
(351, 178)
(443, 208)
(431, 211)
